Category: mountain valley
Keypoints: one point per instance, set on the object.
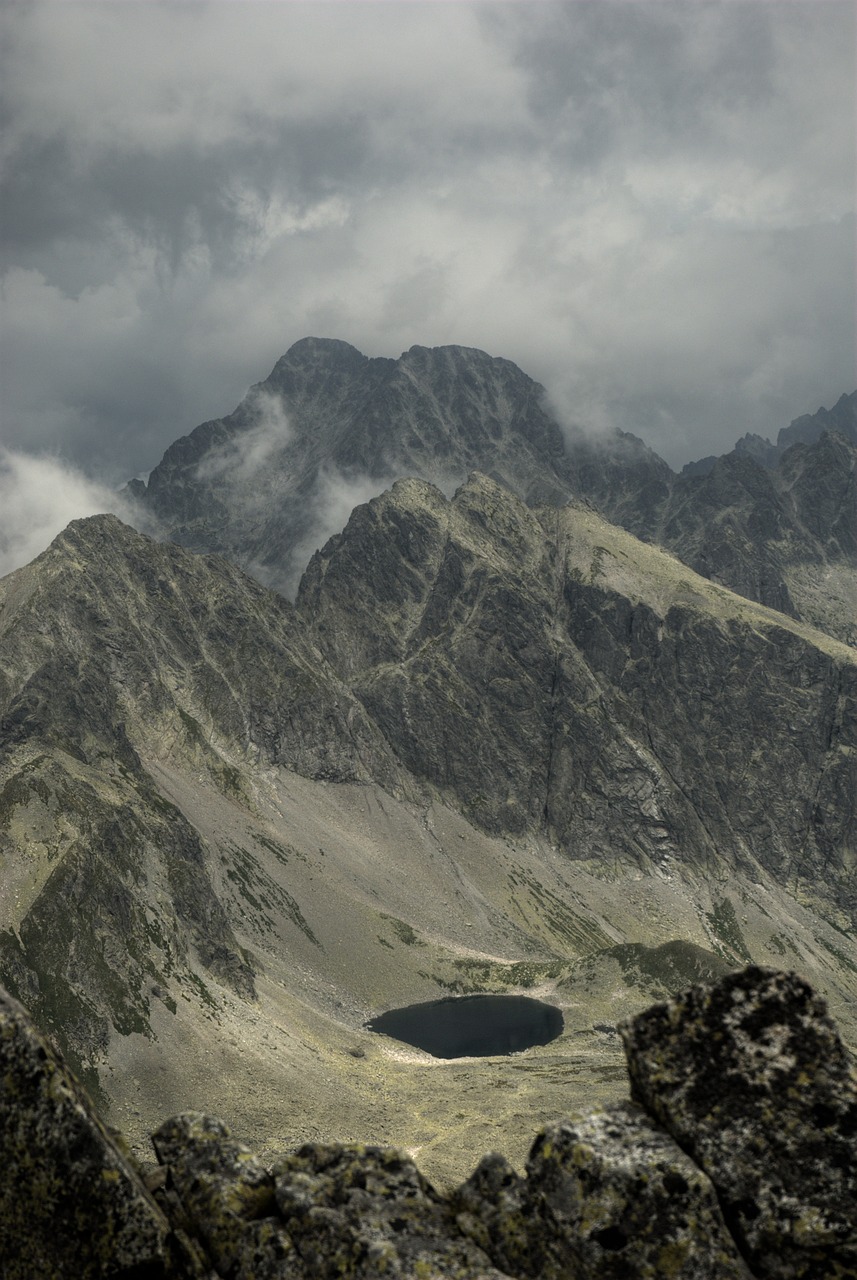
(537, 716)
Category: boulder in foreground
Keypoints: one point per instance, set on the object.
(751, 1079)
(71, 1203)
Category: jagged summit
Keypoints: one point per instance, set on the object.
(807, 429)
(330, 427)
(841, 418)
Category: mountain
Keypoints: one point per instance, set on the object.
(492, 746)
(330, 428)
(785, 537)
(420, 695)
(809, 428)
(777, 523)
(507, 653)
(841, 419)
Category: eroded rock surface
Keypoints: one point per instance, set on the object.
(368, 1211)
(751, 1079)
(217, 1185)
(606, 1195)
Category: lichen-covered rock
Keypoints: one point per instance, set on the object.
(611, 1196)
(607, 1197)
(266, 1252)
(491, 1210)
(364, 1212)
(71, 1204)
(751, 1079)
(747, 1147)
(222, 1187)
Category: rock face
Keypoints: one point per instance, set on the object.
(71, 1204)
(607, 1195)
(500, 652)
(808, 429)
(752, 1081)
(842, 419)
(329, 428)
(771, 534)
(85, 830)
(741, 1161)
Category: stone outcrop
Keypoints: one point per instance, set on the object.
(71, 1202)
(607, 1195)
(750, 1078)
(737, 1158)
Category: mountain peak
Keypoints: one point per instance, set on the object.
(318, 350)
(331, 428)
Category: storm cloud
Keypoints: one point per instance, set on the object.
(647, 206)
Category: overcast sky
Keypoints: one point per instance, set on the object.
(648, 206)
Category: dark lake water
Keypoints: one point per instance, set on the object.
(472, 1026)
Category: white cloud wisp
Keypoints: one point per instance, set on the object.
(39, 496)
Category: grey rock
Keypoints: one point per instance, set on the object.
(726, 525)
(751, 1079)
(759, 448)
(505, 667)
(492, 1210)
(71, 1202)
(769, 524)
(367, 1211)
(842, 418)
(819, 480)
(220, 1184)
(610, 1196)
(330, 422)
(808, 429)
(265, 485)
(112, 645)
(606, 1195)
(266, 1251)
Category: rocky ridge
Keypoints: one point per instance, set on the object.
(330, 428)
(736, 1158)
(569, 651)
(807, 429)
(785, 536)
